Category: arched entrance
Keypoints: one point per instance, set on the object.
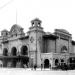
(5, 51)
(56, 62)
(14, 51)
(46, 63)
(24, 54)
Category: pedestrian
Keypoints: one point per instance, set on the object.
(50, 66)
(25, 66)
(35, 66)
(41, 66)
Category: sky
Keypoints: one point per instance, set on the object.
(54, 14)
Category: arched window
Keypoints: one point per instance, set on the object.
(24, 50)
(14, 51)
(5, 52)
(64, 49)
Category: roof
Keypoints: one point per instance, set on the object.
(36, 19)
(62, 30)
(4, 30)
(15, 28)
(73, 42)
(50, 36)
(25, 37)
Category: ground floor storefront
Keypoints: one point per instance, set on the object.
(14, 61)
(48, 60)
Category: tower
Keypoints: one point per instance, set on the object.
(35, 41)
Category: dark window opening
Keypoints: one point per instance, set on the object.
(5, 52)
(14, 51)
(24, 50)
(64, 49)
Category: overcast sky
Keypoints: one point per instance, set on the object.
(53, 13)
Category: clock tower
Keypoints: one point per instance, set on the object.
(35, 41)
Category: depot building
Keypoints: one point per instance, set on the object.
(36, 47)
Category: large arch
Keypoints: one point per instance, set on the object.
(24, 60)
(14, 51)
(24, 50)
(5, 51)
(46, 63)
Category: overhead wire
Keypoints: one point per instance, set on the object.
(6, 4)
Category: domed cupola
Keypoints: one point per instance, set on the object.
(16, 29)
(36, 22)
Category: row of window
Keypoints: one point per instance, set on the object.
(24, 51)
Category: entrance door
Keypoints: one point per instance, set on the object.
(46, 63)
(13, 63)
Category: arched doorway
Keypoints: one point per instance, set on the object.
(24, 50)
(14, 51)
(46, 63)
(5, 51)
(24, 54)
(56, 62)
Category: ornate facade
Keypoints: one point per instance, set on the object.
(36, 48)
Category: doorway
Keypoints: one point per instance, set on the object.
(46, 63)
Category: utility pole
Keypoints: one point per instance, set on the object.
(6, 4)
(16, 15)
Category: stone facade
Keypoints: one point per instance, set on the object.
(36, 48)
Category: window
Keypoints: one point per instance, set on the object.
(64, 49)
